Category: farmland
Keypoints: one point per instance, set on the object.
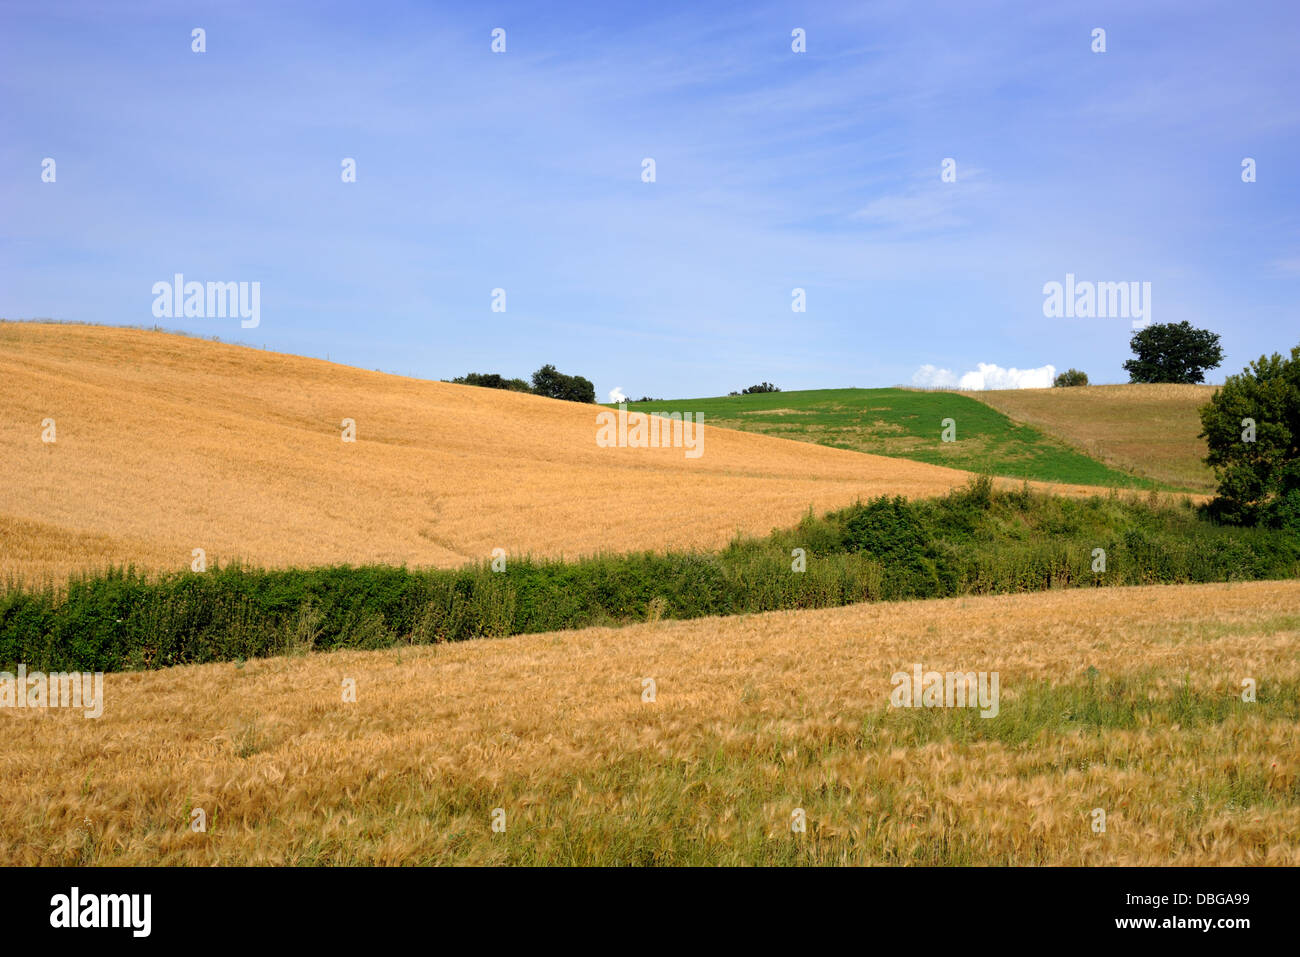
(166, 443)
(905, 423)
(1151, 430)
(976, 540)
(1121, 699)
(678, 658)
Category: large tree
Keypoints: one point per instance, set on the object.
(1173, 352)
(1252, 428)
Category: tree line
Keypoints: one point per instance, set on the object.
(547, 381)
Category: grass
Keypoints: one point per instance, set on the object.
(907, 424)
(1151, 430)
(977, 540)
(1124, 699)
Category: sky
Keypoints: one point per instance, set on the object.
(774, 170)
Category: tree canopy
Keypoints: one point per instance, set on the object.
(1173, 352)
(1252, 429)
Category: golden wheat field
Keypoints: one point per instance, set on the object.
(1151, 429)
(1126, 700)
(164, 444)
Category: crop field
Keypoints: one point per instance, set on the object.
(375, 504)
(684, 661)
(977, 540)
(702, 742)
(1152, 430)
(905, 423)
(164, 444)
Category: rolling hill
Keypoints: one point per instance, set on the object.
(1151, 430)
(165, 443)
(906, 423)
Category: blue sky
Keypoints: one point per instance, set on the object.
(774, 170)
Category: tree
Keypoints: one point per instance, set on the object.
(1070, 377)
(761, 387)
(1252, 429)
(554, 384)
(491, 380)
(1173, 352)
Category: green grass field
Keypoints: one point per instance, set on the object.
(906, 424)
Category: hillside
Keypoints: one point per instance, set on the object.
(167, 443)
(1149, 429)
(753, 717)
(906, 423)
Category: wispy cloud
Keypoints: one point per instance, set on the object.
(775, 170)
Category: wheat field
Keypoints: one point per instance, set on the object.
(1125, 700)
(164, 444)
(1151, 429)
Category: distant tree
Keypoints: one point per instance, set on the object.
(490, 380)
(1173, 352)
(1252, 429)
(1070, 377)
(733, 393)
(646, 398)
(761, 387)
(554, 384)
(581, 389)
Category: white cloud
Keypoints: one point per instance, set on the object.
(616, 394)
(931, 376)
(987, 376)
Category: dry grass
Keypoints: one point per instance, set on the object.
(167, 443)
(1151, 429)
(754, 717)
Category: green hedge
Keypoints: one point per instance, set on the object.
(974, 541)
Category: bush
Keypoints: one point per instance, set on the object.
(761, 387)
(1070, 377)
(1259, 473)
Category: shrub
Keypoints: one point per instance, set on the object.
(1070, 377)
